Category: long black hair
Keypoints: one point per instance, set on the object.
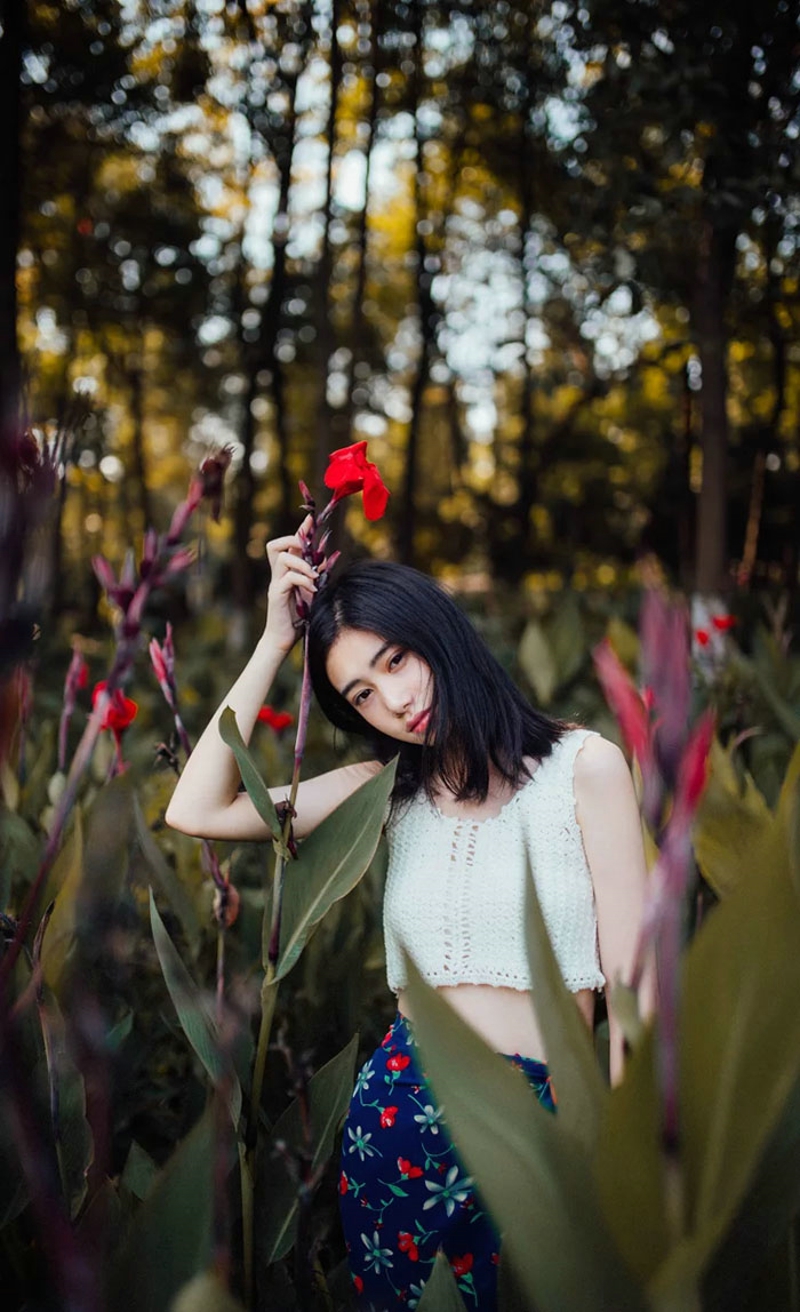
(478, 716)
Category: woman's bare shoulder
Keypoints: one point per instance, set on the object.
(599, 764)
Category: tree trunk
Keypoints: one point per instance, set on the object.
(137, 385)
(711, 553)
(11, 41)
(408, 508)
(343, 423)
(325, 334)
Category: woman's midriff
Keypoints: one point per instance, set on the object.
(504, 1018)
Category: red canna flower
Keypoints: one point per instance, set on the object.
(398, 1062)
(628, 705)
(693, 769)
(120, 712)
(722, 623)
(405, 1242)
(349, 471)
(702, 636)
(277, 720)
(462, 1265)
(388, 1115)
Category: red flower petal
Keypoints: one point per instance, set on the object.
(376, 494)
(702, 636)
(723, 622)
(628, 707)
(277, 720)
(461, 1265)
(121, 710)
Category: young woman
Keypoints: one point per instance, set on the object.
(487, 788)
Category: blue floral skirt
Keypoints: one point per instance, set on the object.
(403, 1190)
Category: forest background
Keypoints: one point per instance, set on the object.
(545, 258)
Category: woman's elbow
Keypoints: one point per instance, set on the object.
(176, 818)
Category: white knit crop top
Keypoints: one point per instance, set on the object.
(455, 887)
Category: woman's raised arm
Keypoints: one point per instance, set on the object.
(207, 801)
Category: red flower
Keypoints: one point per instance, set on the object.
(120, 712)
(277, 720)
(359, 1284)
(462, 1265)
(343, 1184)
(387, 1117)
(723, 622)
(629, 707)
(702, 636)
(405, 1242)
(693, 769)
(349, 471)
(406, 1169)
(398, 1062)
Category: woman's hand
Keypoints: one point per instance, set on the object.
(291, 577)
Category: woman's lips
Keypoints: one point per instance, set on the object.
(419, 723)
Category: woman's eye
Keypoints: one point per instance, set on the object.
(361, 697)
(396, 659)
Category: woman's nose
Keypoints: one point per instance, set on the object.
(398, 698)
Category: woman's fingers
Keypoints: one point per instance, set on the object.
(292, 542)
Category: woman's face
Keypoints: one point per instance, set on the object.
(390, 686)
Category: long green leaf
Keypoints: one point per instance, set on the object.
(532, 1175)
(165, 879)
(329, 1092)
(730, 824)
(628, 1164)
(582, 1095)
(170, 1239)
(762, 1221)
(72, 1135)
(257, 790)
(440, 1293)
(59, 939)
(330, 862)
(739, 1053)
(195, 1015)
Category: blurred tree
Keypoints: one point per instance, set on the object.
(12, 39)
(686, 149)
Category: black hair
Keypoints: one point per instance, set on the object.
(478, 715)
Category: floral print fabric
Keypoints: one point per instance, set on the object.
(404, 1192)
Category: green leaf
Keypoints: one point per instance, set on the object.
(195, 1015)
(730, 824)
(257, 790)
(171, 1236)
(205, 1293)
(537, 662)
(330, 862)
(571, 1059)
(165, 879)
(628, 1164)
(59, 939)
(440, 1293)
(398, 1192)
(72, 1135)
(19, 853)
(140, 1171)
(739, 1052)
(532, 1175)
(567, 638)
(329, 1092)
(763, 1219)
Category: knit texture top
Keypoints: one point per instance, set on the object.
(455, 887)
